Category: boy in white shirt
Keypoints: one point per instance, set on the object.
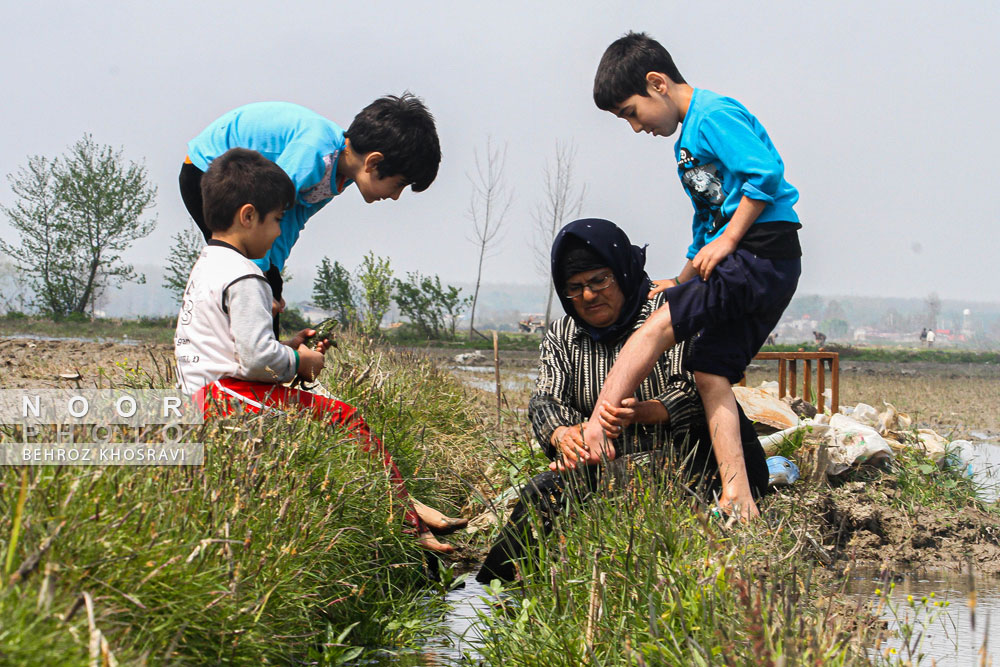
(225, 346)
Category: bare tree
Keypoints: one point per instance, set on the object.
(488, 207)
(562, 200)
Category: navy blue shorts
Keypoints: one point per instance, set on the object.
(728, 317)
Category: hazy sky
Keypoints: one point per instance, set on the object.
(885, 114)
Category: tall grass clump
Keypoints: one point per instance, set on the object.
(287, 545)
(647, 576)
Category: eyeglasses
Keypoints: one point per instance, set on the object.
(601, 282)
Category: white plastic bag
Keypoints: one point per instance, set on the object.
(849, 441)
(865, 414)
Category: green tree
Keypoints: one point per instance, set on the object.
(375, 277)
(184, 251)
(333, 291)
(451, 304)
(431, 307)
(75, 216)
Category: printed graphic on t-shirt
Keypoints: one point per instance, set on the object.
(704, 186)
(324, 189)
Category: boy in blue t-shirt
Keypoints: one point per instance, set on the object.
(742, 266)
(391, 144)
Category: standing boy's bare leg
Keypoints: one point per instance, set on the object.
(635, 363)
(724, 426)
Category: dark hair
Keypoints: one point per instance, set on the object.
(402, 130)
(238, 177)
(624, 66)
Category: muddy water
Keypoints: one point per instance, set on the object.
(484, 377)
(951, 626)
(457, 640)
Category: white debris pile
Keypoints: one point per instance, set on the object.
(856, 435)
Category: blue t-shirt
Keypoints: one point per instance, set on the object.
(724, 153)
(303, 143)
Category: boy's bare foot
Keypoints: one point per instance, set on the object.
(431, 543)
(436, 521)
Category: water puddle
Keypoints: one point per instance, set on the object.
(124, 340)
(941, 618)
(458, 640)
(483, 377)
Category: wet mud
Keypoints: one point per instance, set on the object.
(858, 521)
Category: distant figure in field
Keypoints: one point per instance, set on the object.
(771, 339)
(923, 335)
(820, 338)
(930, 338)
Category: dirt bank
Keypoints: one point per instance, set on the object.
(41, 363)
(859, 521)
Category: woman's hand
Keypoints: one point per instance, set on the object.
(570, 446)
(615, 420)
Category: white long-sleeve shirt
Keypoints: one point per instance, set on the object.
(224, 327)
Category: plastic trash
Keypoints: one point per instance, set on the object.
(760, 406)
(770, 386)
(781, 471)
(850, 442)
(960, 456)
(933, 444)
(893, 420)
(770, 443)
(865, 414)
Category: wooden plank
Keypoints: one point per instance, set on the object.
(792, 364)
(835, 384)
(782, 387)
(821, 384)
(795, 355)
(807, 380)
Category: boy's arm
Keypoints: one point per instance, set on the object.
(717, 250)
(261, 357)
(687, 273)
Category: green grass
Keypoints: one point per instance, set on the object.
(286, 546)
(647, 577)
(285, 540)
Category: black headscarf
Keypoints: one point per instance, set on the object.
(613, 248)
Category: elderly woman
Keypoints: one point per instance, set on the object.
(603, 287)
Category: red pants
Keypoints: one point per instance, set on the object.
(217, 400)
